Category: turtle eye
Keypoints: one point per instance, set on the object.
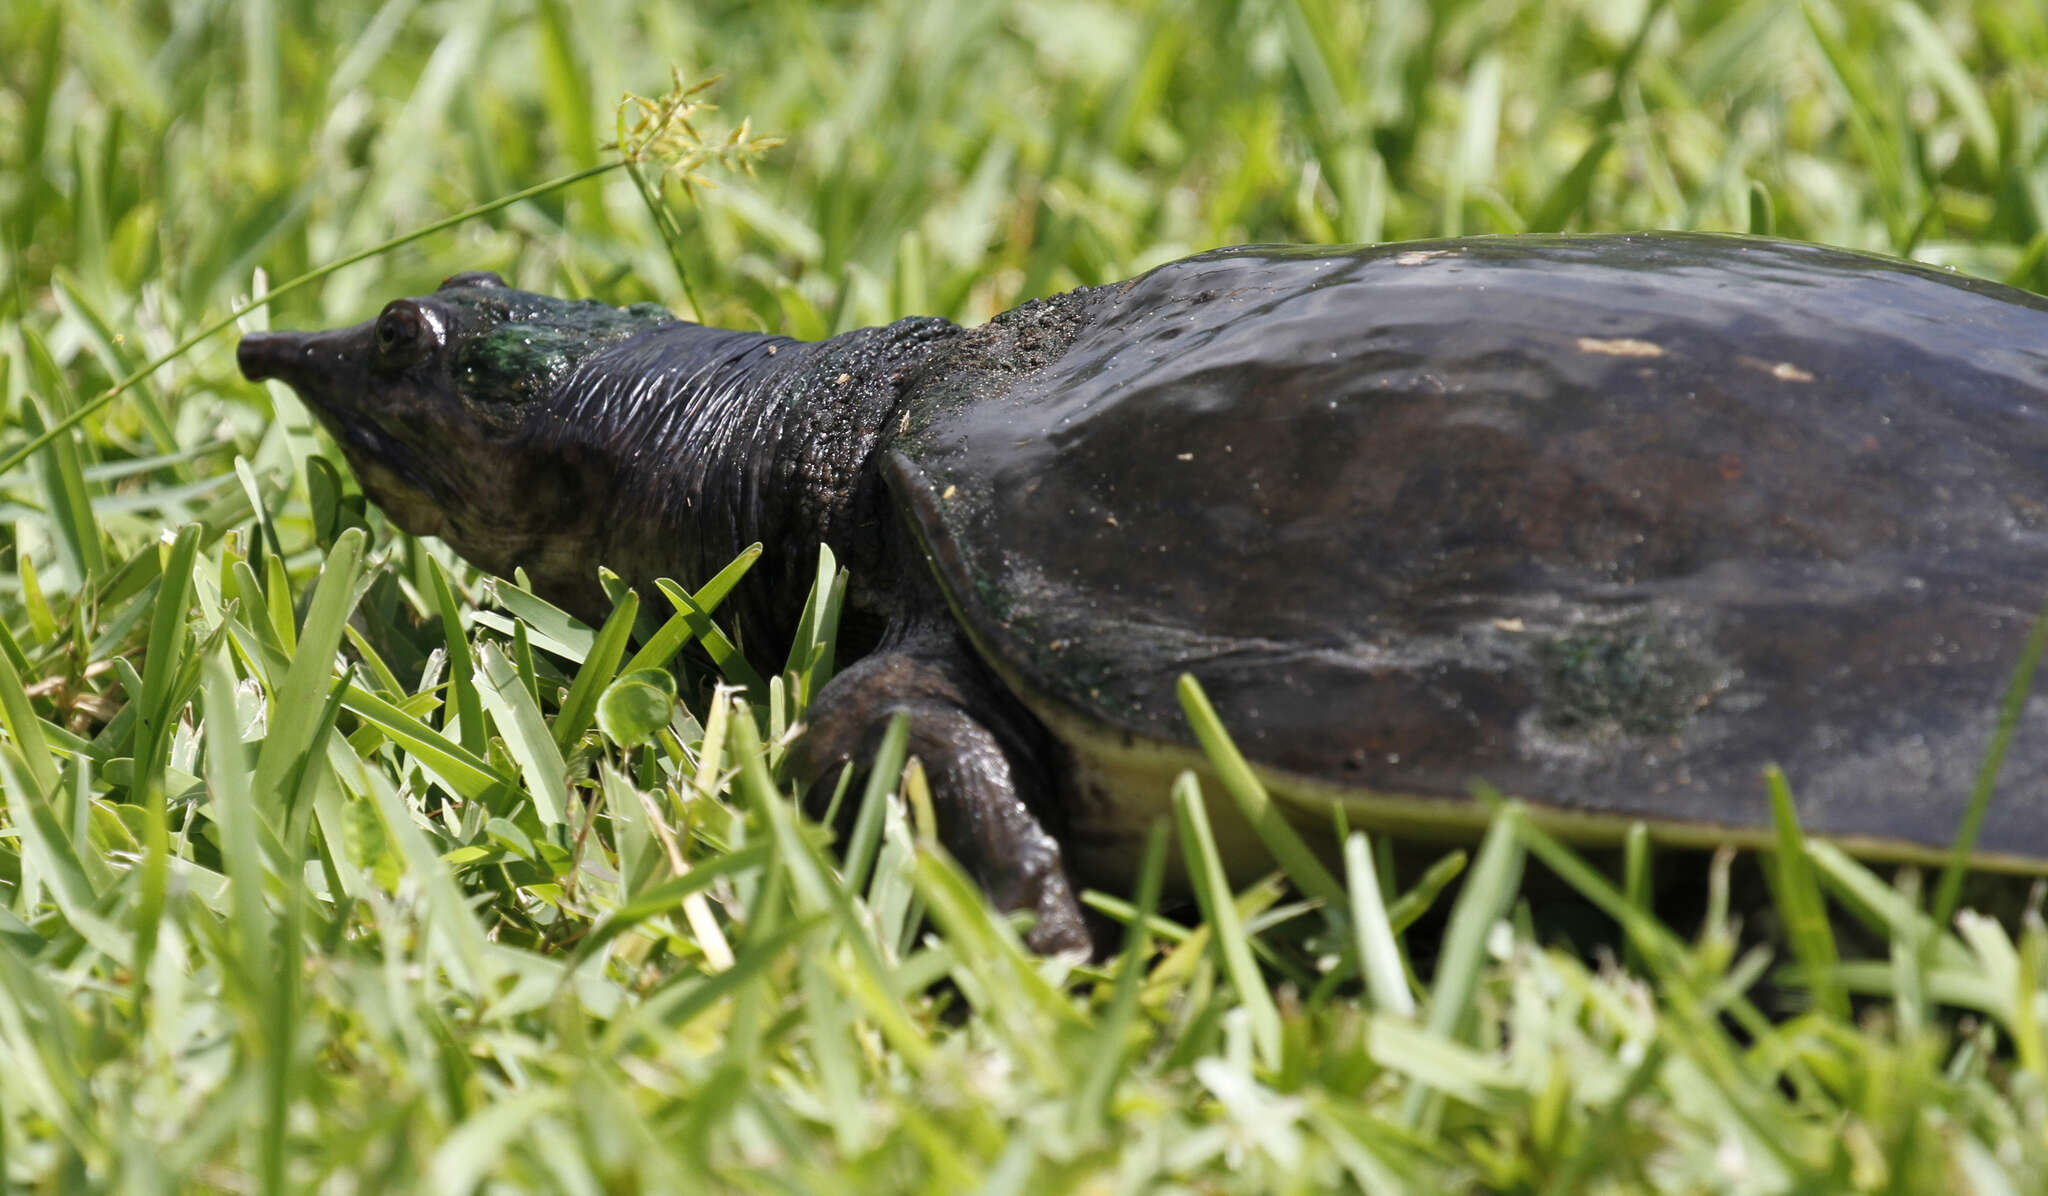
(404, 333)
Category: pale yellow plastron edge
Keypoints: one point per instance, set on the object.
(1123, 780)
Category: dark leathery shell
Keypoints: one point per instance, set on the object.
(1608, 522)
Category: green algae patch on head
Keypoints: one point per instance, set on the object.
(516, 362)
(513, 347)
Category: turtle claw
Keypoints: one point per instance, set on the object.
(983, 762)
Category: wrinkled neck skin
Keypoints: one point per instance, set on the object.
(691, 443)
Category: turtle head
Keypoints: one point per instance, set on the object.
(441, 405)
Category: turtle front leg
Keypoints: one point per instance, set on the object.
(984, 757)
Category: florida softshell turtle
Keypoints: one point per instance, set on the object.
(1610, 522)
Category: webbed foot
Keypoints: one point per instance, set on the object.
(985, 760)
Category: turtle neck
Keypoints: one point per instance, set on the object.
(710, 440)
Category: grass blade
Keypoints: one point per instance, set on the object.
(579, 708)
(884, 772)
(463, 703)
(1798, 897)
(297, 702)
(665, 643)
(467, 776)
(1485, 900)
(159, 706)
(1108, 1046)
(79, 413)
(723, 652)
(1950, 891)
(1212, 890)
(526, 734)
(24, 728)
(1379, 955)
(67, 502)
(1300, 863)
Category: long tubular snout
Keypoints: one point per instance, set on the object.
(271, 354)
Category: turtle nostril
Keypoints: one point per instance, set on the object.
(264, 355)
(254, 356)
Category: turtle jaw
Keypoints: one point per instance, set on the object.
(325, 370)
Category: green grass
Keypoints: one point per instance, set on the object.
(326, 864)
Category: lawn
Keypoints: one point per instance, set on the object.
(328, 864)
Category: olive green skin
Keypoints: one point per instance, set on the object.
(1610, 523)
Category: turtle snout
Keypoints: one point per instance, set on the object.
(270, 355)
